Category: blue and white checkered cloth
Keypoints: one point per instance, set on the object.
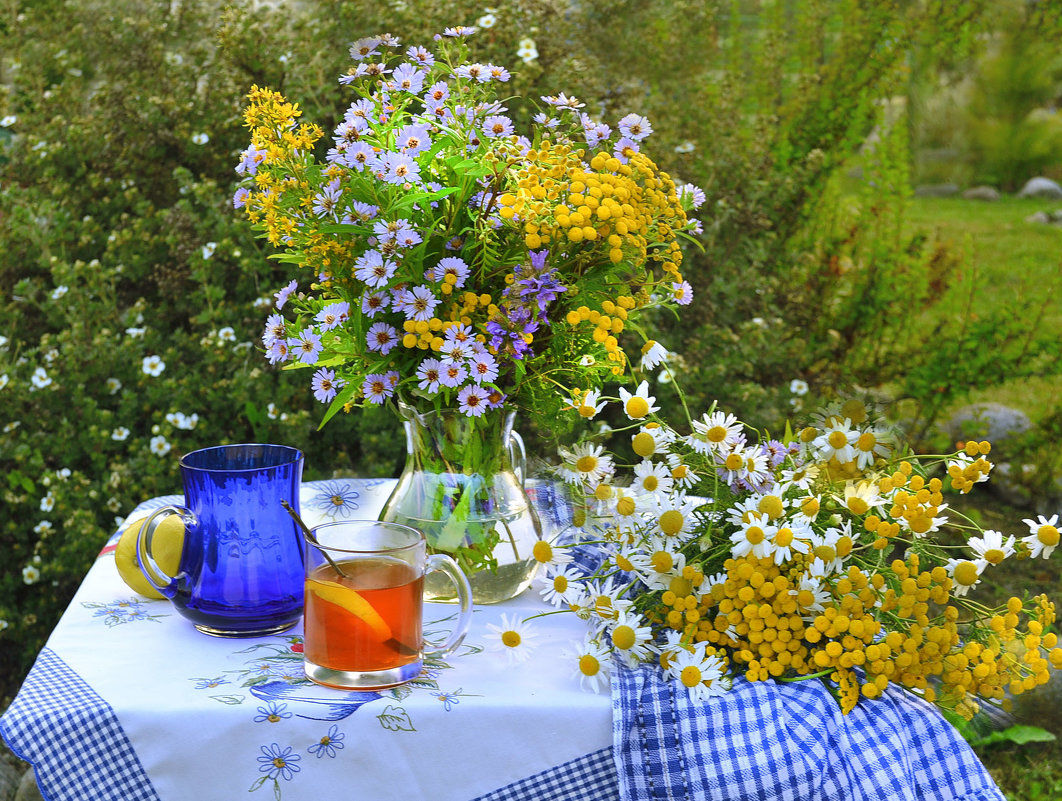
(785, 742)
(72, 737)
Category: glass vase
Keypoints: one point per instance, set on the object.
(463, 488)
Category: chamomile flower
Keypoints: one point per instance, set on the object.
(560, 584)
(801, 476)
(630, 637)
(515, 637)
(965, 574)
(811, 594)
(837, 441)
(862, 497)
(652, 439)
(1043, 535)
(789, 538)
(640, 404)
(683, 477)
(602, 599)
(701, 673)
(754, 537)
(992, 548)
(546, 553)
(652, 480)
(586, 464)
(675, 516)
(715, 433)
(593, 664)
(653, 354)
(870, 446)
(590, 405)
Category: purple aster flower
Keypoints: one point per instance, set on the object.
(333, 315)
(429, 374)
(683, 293)
(473, 72)
(693, 194)
(436, 93)
(545, 120)
(421, 302)
(454, 351)
(364, 48)
(413, 139)
(278, 351)
(562, 101)
(275, 328)
(325, 201)
(373, 269)
(285, 293)
(382, 337)
(458, 31)
(372, 70)
(358, 155)
(249, 160)
(407, 78)
(372, 303)
(400, 298)
(623, 144)
(497, 125)
(400, 231)
(459, 333)
(472, 400)
(421, 56)
(399, 168)
(239, 199)
(452, 374)
(363, 211)
(362, 108)
(497, 73)
(635, 126)
(483, 368)
(326, 385)
(307, 346)
(377, 388)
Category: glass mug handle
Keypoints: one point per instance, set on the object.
(441, 563)
(148, 566)
(518, 455)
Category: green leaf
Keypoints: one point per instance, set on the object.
(346, 394)
(395, 718)
(1019, 735)
(231, 700)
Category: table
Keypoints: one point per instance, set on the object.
(127, 702)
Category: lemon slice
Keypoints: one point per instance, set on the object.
(350, 600)
(167, 545)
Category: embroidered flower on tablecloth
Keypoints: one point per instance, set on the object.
(329, 744)
(209, 684)
(336, 499)
(122, 611)
(277, 762)
(272, 712)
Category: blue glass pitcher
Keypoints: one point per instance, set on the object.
(241, 568)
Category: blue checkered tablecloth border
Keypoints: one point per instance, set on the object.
(588, 778)
(786, 742)
(72, 737)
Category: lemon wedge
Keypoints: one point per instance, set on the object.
(349, 599)
(166, 547)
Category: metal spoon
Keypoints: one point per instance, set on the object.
(312, 537)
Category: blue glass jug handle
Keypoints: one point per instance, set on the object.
(518, 456)
(167, 585)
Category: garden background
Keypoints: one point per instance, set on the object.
(843, 249)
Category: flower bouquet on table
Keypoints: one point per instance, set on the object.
(458, 270)
(831, 553)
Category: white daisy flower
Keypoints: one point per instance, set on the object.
(992, 547)
(1043, 535)
(787, 539)
(560, 584)
(546, 554)
(653, 354)
(652, 480)
(811, 594)
(630, 638)
(640, 404)
(715, 432)
(675, 516)
(862, 497)
(587, 463)
(591, 404)
(515, 637)
(683, 477)
(702, 674)
(871, 445)
(836, 442)
(651, 440)
(755, 537)
(593, 664)
(965, 574)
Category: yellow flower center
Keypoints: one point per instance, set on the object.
(866, 441)
(278, 762)
(994, 556)
(603, 492)
(1048, 535)
(771, 505)
(671, 522)
(755, 535)
(690, 676)
(810, 506)
(587, 411)
(560, 583)
(825, 553)
(844, 546)
(650, 483)
(716, 434)
(623, 563)
(644, 445)
(837, 439)
(784, 537)
(662, 561)
(623, 637)
(734, 461)
(805, 598)
(542, 551)
(857, 505)
(510, 638)
(637, 407)
(588, 665)
(625, 506)
(680, 472)
(966, 573)
(586, 464)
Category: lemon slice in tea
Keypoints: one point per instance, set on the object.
(351, 601)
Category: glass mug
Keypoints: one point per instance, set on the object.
(241, 569)
(364, 601)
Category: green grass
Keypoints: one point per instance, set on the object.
(1011, 261)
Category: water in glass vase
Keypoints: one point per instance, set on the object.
(462, 487)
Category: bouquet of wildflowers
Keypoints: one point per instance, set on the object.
(831, 553)
(441, 257)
